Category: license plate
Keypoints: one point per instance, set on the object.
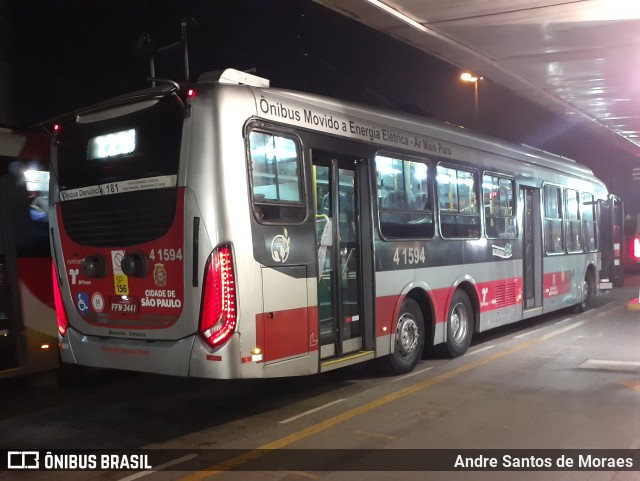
(124, 305)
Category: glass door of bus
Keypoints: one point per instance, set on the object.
(611, 222)
(532, 249)
(339, 234)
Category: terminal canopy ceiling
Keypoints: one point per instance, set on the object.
(579, 59)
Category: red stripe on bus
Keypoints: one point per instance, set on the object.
(387, 309)
(37, 146)
(498, 294)
(283, 334)
(35, 273)
(287, 333)
(491, 295)
(557, 283)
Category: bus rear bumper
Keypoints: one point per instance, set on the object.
(221, 363)
(159, 357)
(185, 357)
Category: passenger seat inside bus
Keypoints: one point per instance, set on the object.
(397, 201)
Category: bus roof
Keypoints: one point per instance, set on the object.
(440, 130)
(445, 131)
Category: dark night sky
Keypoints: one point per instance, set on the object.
(77, 51)
(58, 55)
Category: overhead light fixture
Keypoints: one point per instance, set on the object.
(467, 77)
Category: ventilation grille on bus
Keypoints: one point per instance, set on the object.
(121, 219)
(506, 294)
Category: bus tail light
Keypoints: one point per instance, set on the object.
(218, 315)
(61, 314)
(636, 248)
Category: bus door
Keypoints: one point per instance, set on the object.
(611, 222)
(532, 250)
(339, 245)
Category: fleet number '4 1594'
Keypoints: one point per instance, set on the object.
(409, 256)
(165, 255)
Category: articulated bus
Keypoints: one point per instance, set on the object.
(28, 328)
(234, 230)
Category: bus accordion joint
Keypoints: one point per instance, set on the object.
(219, 316)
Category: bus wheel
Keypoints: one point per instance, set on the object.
(409, 339)
(587, 293)
(459, 324)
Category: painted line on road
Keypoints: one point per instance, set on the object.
(311, 411)
(296, 436)
(566, 319)
(562, 330)
(480, 350)
(614, 307)
(415, 373)
(635, 385)
(166, 465)
(357, 411)
(528, 333)
(610, 365)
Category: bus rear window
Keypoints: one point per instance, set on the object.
(128, 142)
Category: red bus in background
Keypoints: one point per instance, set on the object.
(631, 242)
(28, 329)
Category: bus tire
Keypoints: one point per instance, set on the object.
(459, 324)
(409, 338)
(588, 286)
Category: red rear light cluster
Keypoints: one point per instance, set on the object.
(219, 316)
(61, 314)
(636, 248)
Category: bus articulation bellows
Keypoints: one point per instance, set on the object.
(228, 229)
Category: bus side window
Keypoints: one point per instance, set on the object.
(275, 178)
(553, 239)
(573, 224)
(588, 222)
(497, 196)
(457, 198)
(404, 193)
